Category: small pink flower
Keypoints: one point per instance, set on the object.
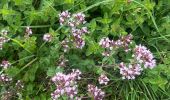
(28, 31)
(66, 84)
(63, 17)
(5, 64)
(103, 79)
(105, 42)
(5, 78)
(47, 37)
(95, 92)
(131, 71)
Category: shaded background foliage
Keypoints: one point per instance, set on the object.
(147, 20)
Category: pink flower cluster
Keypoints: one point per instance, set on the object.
(5, 64)
(125, 41)
(3, 39)
(105, 42)
(77, 37)
(103, 79)
(63, 17)
(130, 71)
(108, 44)
(144, 56)
(74, 21)
(66, 85)
(47, 37)
(95, 92)
(5, 78)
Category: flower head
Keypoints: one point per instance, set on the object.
(5, 64)
(28, 31)
(95, 92)
(5, 78)
(63, 17)
(103, 79)
(105, 42)
(144, 56)
(131, 71)
(66, 84)
(47, 37)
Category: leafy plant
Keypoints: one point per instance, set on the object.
(42, 38)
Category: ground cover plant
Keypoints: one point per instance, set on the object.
(84, 49)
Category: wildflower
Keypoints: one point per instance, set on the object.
(80, 43)
(66, 84)
(144, 56)
(28, 31)
(103, 79)
(95, 92)
(5, 78)
(63, 17)
(124, 42)
(65, 45)
(108, 44)
(47, 37)
(80, 18)
(73, 21)
(131, 71)
(105, 42)
(84, 30)
(76, 20)
(19, 85)
(2, 38)
(5, 64)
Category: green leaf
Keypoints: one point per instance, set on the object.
(52, 71)
(69, 1)
(30, 44)
(12, 71)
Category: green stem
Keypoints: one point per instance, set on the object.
(96, 4)
(22, 59)
(32, 61)
(39, 26)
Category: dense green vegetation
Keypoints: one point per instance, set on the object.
(41, 41)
